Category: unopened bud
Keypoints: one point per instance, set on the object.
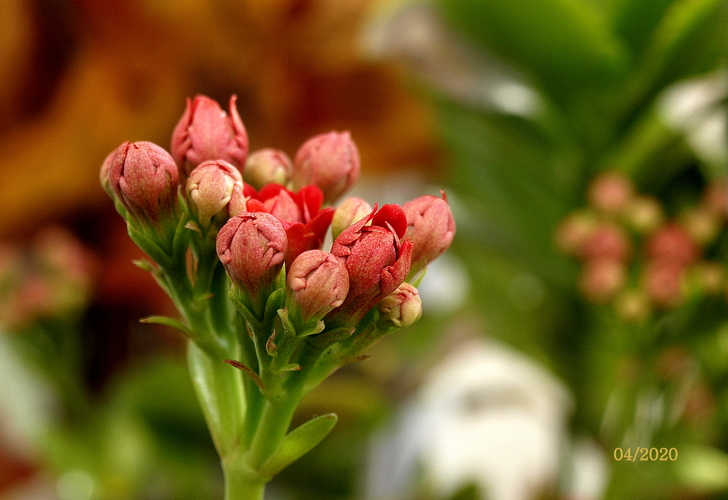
(376, 259)
(318, 282)
(600, 279)
(144, 178)
(673, 244)
(329, 161)
(708, 277)
(608, 241)
(206, 132)
(430, 226)
(210, 189)
(610, 192)
(643, 214)
(701, 224)
(268, 166)
(352, 210)
(252, 247)
(574, 231)
(663, 282)
(401, 308)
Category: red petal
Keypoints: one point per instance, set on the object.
(395, 216)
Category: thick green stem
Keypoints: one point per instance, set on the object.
(272, 428)
(241, 483)
(220, 389)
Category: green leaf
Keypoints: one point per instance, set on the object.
(167, 321)
(686, 41)
(566, 44)
(299, 442)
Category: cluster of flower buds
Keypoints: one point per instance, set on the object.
(269, 216)
(52, 278)
(637, 258)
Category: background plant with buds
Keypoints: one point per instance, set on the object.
(268, 313)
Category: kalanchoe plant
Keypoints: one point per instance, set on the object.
(268, 313)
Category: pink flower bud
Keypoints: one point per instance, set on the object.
(673, 244)
(317, 283)
(610, 192)
(144, 178)
(252, 247)
(663, 281)
(430, 226)
(607, 241)
(600, 279)
(210, 189)
(268, 166)
(377, 260)
(352, 210)
(206, 132)
(329, 161)
(402, 307)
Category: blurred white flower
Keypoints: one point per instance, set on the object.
(486, 415)
(697, 108)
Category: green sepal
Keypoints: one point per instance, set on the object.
(150, 247)
(167, 321)
(332, 336)
(237, 298)
(273, 304)
(298, 442)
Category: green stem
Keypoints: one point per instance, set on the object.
(221, 393)
(274, 423)
(241, 483)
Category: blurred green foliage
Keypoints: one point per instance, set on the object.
(600, 69)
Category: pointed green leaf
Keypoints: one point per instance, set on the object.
(167, 321)
(299, 442)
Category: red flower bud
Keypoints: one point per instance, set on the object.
(305, 223)
(252, 247)
(144, 178)
(268, 166)
(377, 260)
(352, 210)
(673, 244)
(317, 283)
(430, 226)
(402, 307)
(210, 189)
(206, 132)
(329, 161)
(663, 281)
(607, 241)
